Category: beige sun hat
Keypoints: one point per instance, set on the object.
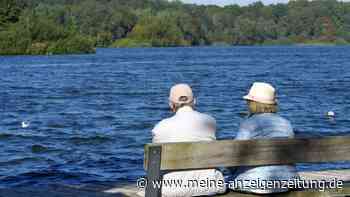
(262, 93)
(181, 94)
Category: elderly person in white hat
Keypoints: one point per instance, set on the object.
(264, 123)
(187, 125)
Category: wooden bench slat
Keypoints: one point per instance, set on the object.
(341, 193)
(344, 192)
(132, 191)
(229, 153)
(329, 175)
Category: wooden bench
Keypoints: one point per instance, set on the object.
(160, 158)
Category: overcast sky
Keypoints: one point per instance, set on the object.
(228, 2)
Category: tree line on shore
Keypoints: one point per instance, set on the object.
(78, 26)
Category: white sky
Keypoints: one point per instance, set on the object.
(228, 2)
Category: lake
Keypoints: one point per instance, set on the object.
(86, 118)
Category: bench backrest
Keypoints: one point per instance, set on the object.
(230, 153)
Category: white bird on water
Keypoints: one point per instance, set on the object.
(330, 114)
(25, 124)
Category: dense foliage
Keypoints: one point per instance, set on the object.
(38, 30)
(73, 26)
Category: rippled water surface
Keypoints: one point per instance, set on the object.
(87, 117)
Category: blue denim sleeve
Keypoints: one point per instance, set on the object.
(246, 129)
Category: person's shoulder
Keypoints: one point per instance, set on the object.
(271, 116)
(285, 123)
(249, 123)
(163, 124)
(205, 116)
(283, 120)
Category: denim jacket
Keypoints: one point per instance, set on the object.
(265, 126)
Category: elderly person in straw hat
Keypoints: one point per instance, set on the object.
(187, 125)
(264, 123)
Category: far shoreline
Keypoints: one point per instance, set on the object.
(194, 46)
(228, 46)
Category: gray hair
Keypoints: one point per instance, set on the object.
(184, 102)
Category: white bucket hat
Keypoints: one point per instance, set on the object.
(262, 93)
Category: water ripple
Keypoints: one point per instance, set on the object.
(91, 115)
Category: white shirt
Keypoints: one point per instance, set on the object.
(188, 125)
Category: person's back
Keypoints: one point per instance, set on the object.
(265, 126)
(264, 123)
(187, 125)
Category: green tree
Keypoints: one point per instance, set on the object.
(10, 11)
(159, 30)
(64, 26)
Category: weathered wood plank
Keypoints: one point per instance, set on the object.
(154, 172)
(132, 190)
(328, 193)
(345, 192)
(329, 175)
(228, 153)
